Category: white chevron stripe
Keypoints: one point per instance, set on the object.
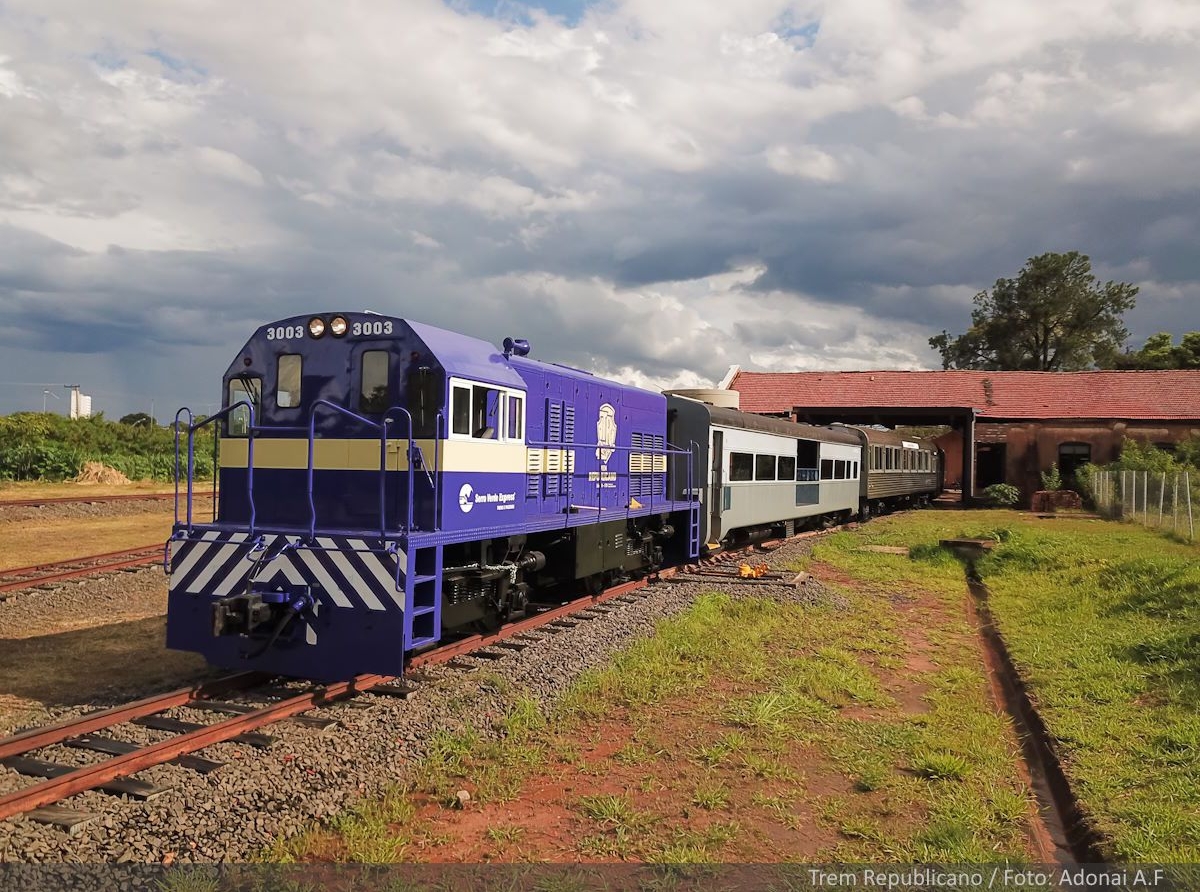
(198, 548)
(375, 564)
(237, 575)
(310, 634)
(352, 576)
(401, 557)
(334, 590)
(223, 554)
(290, 573)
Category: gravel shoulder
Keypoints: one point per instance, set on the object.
(262, 796)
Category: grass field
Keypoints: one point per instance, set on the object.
(746, 730)
(1103, 621)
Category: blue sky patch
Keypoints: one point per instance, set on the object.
(569, 11)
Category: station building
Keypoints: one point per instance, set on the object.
(1006, 427)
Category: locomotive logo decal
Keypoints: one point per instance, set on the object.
(606, 434)
(466, 498)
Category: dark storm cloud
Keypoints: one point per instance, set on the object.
(665, 188)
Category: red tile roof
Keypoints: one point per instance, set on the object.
(1009, 395)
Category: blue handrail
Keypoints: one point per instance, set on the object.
(312, 435)
(191, 463)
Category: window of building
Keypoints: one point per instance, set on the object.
(741, 466)
(827, 469)
(287, 381)
(787, 468)
(764, 467)
(241, 390)
(373, 387)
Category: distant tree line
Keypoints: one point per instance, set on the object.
(1054, 316)
(47, 446)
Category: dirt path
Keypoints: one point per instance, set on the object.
(861, 734)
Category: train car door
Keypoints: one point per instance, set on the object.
(718, 486)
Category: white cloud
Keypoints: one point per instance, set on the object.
(767, 182)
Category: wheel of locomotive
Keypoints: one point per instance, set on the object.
(865, 514)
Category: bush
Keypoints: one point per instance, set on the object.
(1004, 495)
(1051, 478)
(43, 446)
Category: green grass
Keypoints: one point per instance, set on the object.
(778, 696)
(1103, 622)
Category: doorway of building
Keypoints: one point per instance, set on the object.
(1072, 456)
(990, 461)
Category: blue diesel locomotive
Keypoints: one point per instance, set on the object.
(385, 484)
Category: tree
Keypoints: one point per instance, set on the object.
(1160, 353)
(137, 418)
(1054, 316)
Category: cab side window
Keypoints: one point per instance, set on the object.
(242, 390)
(373, 396)
(288, 378)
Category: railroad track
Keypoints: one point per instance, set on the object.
(59, 571)
(115, 775)
(76, 500)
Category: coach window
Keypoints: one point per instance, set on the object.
(287, 381)
(741, 466)
(839, 469)
(787, 468)
(373, 382)
(827, 469)
(242, 390)
(853, 470)
(807, 459)
(516, 416)
(764, 467)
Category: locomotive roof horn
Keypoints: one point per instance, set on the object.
(515, 346)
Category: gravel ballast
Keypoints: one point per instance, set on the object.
(312, 774)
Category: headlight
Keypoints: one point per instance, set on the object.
(338, 326)
(316, 326)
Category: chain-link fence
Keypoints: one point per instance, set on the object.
(1151, 498)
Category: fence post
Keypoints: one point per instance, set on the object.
(1187, 488)
(1122, 492)
(1175, 505)
(1162, 493)
(1146, 498)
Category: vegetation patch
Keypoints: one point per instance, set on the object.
(45, 446)
(744, 730)
(1103, 622)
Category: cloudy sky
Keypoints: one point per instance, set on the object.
(653, 189)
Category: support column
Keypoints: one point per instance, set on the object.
(968, 460)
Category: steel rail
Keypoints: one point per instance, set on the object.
(37, 574)
(36, 738)
(89, 777)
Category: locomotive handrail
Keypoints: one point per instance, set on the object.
(191, 464)
(411, 446)
(312, 435)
